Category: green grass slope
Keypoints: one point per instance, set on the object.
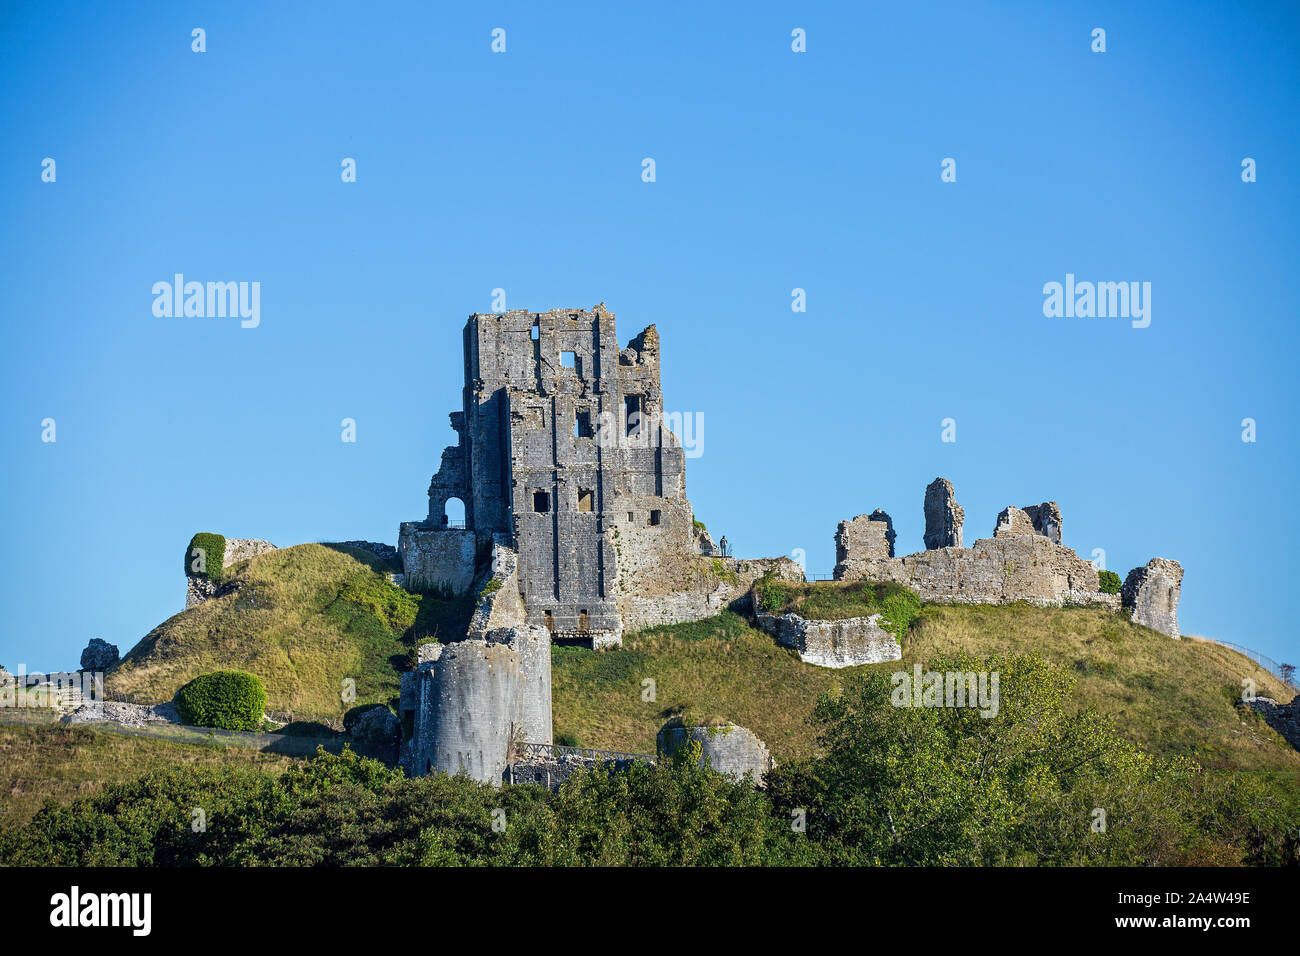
(55, 762)
(303, 619)
(1171, 697)
(306, 618)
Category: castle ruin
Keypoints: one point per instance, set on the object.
(577, 525)
(1024, 560)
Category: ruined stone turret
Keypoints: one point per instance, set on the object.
(1151, 593)
(943, 516)
(861, 541)
(474, 698)
(1046, 518)
(1011, 522)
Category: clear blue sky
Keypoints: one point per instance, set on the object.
(775, 170)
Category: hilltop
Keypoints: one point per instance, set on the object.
(306, 618)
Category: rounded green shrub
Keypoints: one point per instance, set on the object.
(230, 700)
(206, 564)
(1108, 581)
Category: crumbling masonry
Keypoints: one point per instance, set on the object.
(1023, 561)
(577, 525)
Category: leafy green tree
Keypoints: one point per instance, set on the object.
(936, 785)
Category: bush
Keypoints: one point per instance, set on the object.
(566, 739)
(1109, 582)
(230, 700)
(213, 547)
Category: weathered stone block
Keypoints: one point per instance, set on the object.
(242, 549)
(943, 516)
(437, 559)
(1046, 519)
(1003, 570)
(99, 655)
(477, 697)
(864, 539)
(1151, 593)
(1012, 522)
(728, 748)
(842, 643)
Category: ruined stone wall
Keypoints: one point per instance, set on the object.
(437, 559)
(843, 643)
(242, 549)
(1046, 519)
(709, 586)
(562, 451)
(998, 571)
(1011, 522)
(1151, 594)
(863, 539)
(1023, 561)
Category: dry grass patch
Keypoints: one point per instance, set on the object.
(61, 763)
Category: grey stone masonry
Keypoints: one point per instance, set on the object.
(728, 748)
(564, 455)
(473, 698)
(1284, 718)
(864, 538)
(943, 516)
(241, 549)
(99, 655)
(437, 559)
(1011, 522)
(842, 643)
(1046, 519)
(1023, 561)
(1151, 593)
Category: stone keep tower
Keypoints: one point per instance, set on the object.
(563, 456)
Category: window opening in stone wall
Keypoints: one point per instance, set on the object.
(582, 424)
(568, 359)
(586, 499)
(654, 517)
(631, 518)
(535, 332)
(632, 414)
(541, 502)
(584, 621)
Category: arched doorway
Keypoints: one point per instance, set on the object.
(453, 513)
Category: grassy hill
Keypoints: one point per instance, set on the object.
(1171, 697)
(304, 619)
(54, 762)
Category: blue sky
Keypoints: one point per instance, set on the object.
(775, 170)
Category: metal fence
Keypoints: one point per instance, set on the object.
(1283, 672)
(524, 751)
